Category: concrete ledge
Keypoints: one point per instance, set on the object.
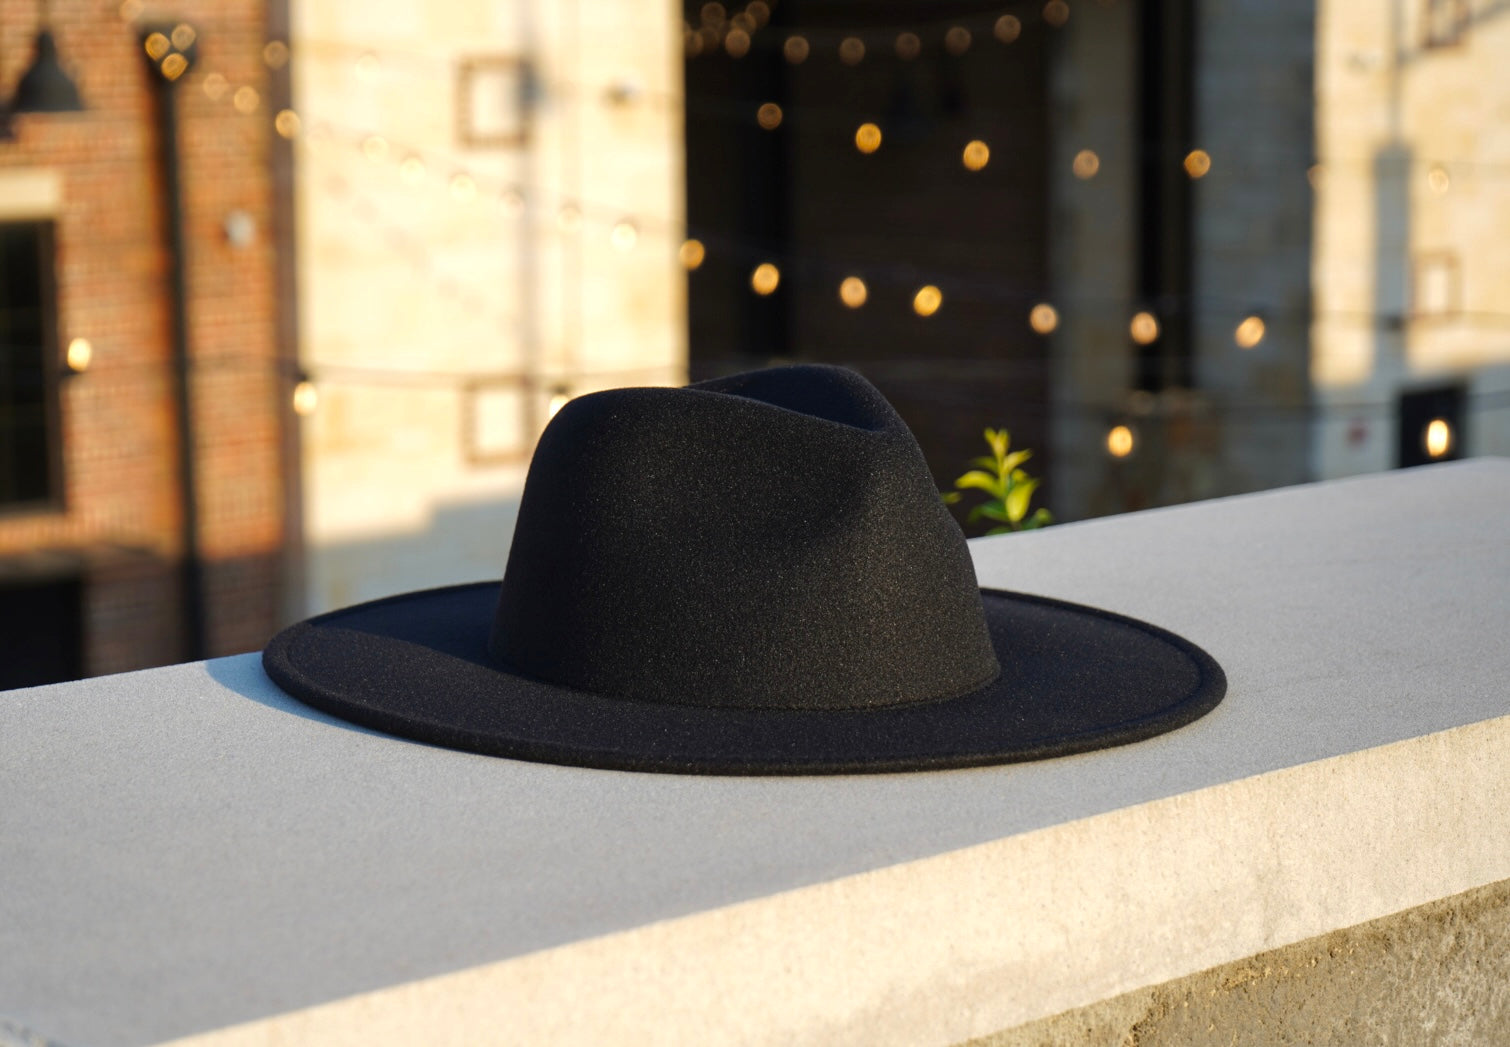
(189, 854)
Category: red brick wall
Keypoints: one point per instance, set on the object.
(118, 419)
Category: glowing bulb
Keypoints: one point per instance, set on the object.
(1144, 328)
(286, 123)
(768, 116)
(80, 353)
(1007, 29)
(868, 138)
(1197, 163)
(927, 301)
(183, 36)
(215, 86)
(174, 66)
(852, 50)
(795, 49)
(1086, 164)
(1439, 180)
(691, 254)
(1044, 318)
(246, 100)
(275, 54)
(737, 43)
(624, 236)
(463, 188)
(765, 278)
(306, 398)
(759, 10)
(1438, 437)
(908, 46)
(1056, 13)
(957, 40)
(1119, 442)
(977, 155)
(1249, 333)
(412, 169)
(157, 45)
(744, 21)
(852, 292)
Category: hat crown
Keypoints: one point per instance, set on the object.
(769, 540)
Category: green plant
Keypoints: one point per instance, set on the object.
(1008, 488)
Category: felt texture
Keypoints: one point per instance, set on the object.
(753, 575)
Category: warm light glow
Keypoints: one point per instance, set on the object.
(737, 43)
(569, 219)
(691, 254)
(868, 138)
(1438, 437)
(80, 353)
(927, 301)
(760, 11)
(306, 398)
(1197, 163)
(1044, 318)
(1119, 442)
(1144, 328)
(1086, 164)
(694, 42)
(852, 50)
(1438, 179)
(852, 292)
(157, 45)
(368, 65)
(215, 86)
(765, 278)
(957, 40)
(375, 148)
(744, 20)
(713, 13)
(1056, 13)
(559, 399)
(246, 100)
(768, 116)
(275, 54)
(908, 46)
(977, 155)
(1250, 332)
(1007, 28)
(624, 236)
(795, 49)
(412, 169)
(463, 188)
(174, 66)
(130, 10)
(183, 36)
(286, 123)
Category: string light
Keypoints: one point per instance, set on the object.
(130, 10)
(765, 279)
(691, 254)
(1144, 328)
(306, 398)
(463, 188)
(375, 148)
(275, 54)
(908, 46)
(1438, 437)
(977, 154)
(1086, 164)
(853, 292)
(737, 43)
(80, 353)
(957, 40)
(1437, 178)
(183, 36)
(927, 301)
(867, 138)
(768, 116)
(852, 50)
(246, 100)
(1197, 163)
(1119, 441)
(156, 45)
(1044, 318)
(174, 66)
(624, 236)
(1056, 13)
(1007, 29)
(795, 49)
(412, 169)
(510, 201)
(1249, 332)
(215, 86)
(286, 123)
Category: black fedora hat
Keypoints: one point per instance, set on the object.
(752, 575)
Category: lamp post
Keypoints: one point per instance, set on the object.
(45, 87)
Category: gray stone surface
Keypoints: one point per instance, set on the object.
(1434, 976)
(188, 848)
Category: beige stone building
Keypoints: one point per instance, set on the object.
(490, 205)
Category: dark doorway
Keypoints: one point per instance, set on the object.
(1431, 425)
(794, 190)
(41, 623)
(29, 459)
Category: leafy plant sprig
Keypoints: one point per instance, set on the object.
(1008, 488)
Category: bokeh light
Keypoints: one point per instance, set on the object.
(1438, 437)
(1438, 179)
(80, 353)
(908, 46)
(1249, 332)
(1197, 163)
(1144, 328)
(927, 301)
(1007, 29)
(306, 398)
(977, 154)
(691, 254)
(867, 138)
(1119, 441)
(853, 292)
(1086, 164)
(624, 236)
(795, 49)
(1056, 13)
(768, 116)
(246, 99)
(286, 123)
(1044, 318)
(852, 50)
(957, 40)
(765, 279)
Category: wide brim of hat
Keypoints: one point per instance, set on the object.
(1073, 679)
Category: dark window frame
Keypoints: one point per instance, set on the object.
(1445, 22)
(53, 498)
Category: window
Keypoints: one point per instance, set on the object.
(1446, 22)
(30, 463)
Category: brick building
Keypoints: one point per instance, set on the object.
(118, 515)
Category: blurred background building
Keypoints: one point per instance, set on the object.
(291, 291)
